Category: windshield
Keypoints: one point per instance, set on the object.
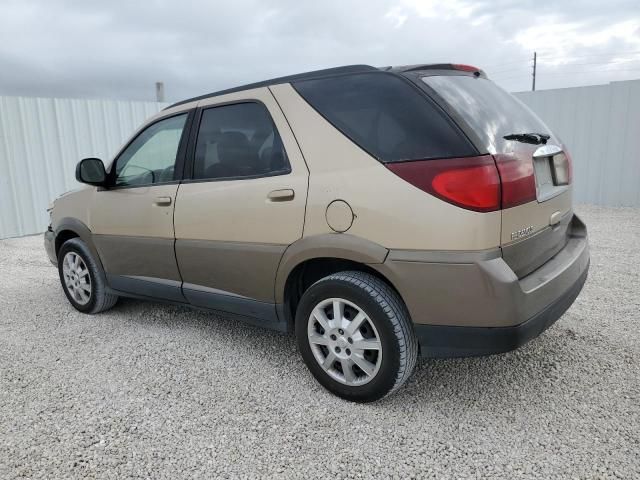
(490, 111)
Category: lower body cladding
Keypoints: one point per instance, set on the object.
(461, 303)
(254, 312)
(146, 268)
(472, 303)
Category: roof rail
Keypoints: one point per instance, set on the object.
(286, 79)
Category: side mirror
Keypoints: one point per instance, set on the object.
(91, 171)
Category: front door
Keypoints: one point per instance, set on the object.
(242, 206)
(132, 220)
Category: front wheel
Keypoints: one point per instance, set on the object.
(82, 278)
(355, 336)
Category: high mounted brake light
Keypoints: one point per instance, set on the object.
(466, 68)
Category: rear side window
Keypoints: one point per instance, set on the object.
(386, 117)
(238, 141)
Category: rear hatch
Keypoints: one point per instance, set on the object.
(534, 168)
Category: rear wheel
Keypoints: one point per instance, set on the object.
(82, 278)
(355, 336)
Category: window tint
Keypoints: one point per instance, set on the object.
(236, 141)
(151, 157)
(489, 110)
(386, 117)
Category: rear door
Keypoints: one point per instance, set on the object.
(534, 170)
(243, 204)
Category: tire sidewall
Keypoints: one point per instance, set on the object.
(79, 248)
(385, 379)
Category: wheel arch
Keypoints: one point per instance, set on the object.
(312, 258)
(69, 228)
(62, 237)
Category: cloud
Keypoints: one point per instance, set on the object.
(118, 49)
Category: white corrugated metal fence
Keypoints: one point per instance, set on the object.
(601, 127)
(42, 139)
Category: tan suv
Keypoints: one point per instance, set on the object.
(377, 213)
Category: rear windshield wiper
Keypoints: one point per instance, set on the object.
(533, 138)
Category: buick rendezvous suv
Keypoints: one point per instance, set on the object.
(378, 213)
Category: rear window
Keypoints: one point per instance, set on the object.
(490, 111)
(386, 117)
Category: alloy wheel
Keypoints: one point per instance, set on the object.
(76, 278)
(344, 341)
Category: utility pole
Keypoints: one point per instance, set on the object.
(533, 86)
(159, 91)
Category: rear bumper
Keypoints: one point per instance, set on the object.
(49, 246)
(472, 303)
(444, 342)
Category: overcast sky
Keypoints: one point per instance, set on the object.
(118, 48)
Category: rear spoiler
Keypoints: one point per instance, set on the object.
(441, 67)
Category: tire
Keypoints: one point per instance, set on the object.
(375, 326)
(87, 292)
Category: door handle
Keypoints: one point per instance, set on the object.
(162, 201)
(283, 195)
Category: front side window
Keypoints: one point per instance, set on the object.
(238, 141)
(151, 157)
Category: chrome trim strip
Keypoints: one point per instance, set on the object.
(548, 150)
(161, 281)
(216, 291)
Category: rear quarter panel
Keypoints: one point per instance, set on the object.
(388, 210)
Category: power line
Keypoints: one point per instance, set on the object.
(507, 70)
(552, 57)
(544, 58)
(612, 62)
(566, 74)
(550, 68)
(511, 76)
(594, 71)
(501, 64)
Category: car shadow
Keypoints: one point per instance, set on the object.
(503, 379)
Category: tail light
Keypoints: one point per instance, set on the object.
(517, 178)
(472, 183)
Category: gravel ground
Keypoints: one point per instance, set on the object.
(149, 390)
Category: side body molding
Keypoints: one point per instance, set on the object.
(329, 245)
